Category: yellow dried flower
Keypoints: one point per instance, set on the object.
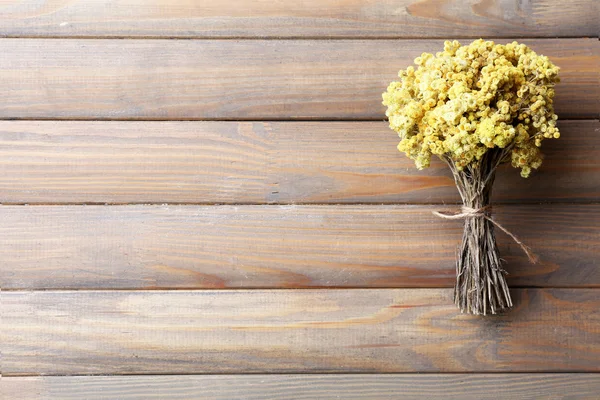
(468, 99)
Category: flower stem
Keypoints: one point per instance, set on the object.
(481, 286)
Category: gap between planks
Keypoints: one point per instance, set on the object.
(572, 118)
(269, 288)
(291, 204)
(299, 38)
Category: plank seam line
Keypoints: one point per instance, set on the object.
(275, 205)
(257, 120)
(298, 38)
(286, 119)
(478, 372)
(278, 289)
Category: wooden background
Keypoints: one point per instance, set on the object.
(201, 199)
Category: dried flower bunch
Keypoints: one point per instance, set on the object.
(476, 107)
(468, 99)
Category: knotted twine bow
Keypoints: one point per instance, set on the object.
(468, 212)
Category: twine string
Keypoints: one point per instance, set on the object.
(469, 212)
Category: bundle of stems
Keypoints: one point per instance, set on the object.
(481, 286)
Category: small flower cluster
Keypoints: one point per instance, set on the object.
(468, 99)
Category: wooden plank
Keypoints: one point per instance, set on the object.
(329, 18)
(260, 162)
(307, 387)
(240, 79)
(152, 247)
(294, 331)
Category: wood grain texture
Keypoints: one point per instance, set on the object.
(294, 331)
(260, 162)
(525, 386)
(323, 18)
(157, 247)
(240, 79)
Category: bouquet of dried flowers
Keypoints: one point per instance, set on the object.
(476, 107)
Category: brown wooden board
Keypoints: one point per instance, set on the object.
(240, 79)
(307, 387)
(228, 216)
(261, 162)
(310, 18)
(157, 247)
(293, 331)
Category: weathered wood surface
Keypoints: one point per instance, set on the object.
(240, 79)
(294, 331)
(245, 85)
(310, 18)
(260, 162)
(525, 386)
(157, 247)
